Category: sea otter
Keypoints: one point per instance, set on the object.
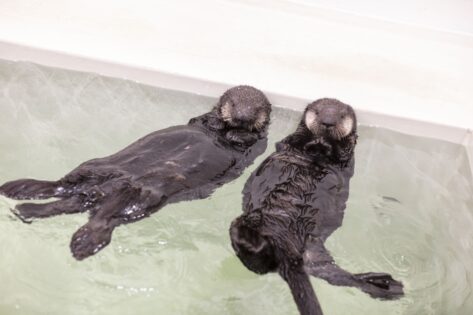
(295, 199)
(177, 163)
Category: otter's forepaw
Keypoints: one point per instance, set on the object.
(241, 138)
(380, 285)
(87, 242)
(318, 147)
(215, 123)
(281, 146)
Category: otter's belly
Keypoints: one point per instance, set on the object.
(172, 159)
(318, 205)
(188, 155)
(330, 199)
(198, 164)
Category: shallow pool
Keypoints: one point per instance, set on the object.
(410, 213)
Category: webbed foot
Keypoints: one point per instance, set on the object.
(91, 238)
(125, 203)
(24, 189)
(380, 285)
(27, 211)
(319, 263)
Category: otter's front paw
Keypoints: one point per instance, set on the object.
(380, 285)
(318, 147)
(215, 123)
(281, 146)
(240, 138)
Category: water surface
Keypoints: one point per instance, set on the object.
(410, 213)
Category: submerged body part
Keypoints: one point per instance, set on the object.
(296, 199)
(170, 165)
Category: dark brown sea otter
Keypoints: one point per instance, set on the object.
(295, 199)
(170, 165)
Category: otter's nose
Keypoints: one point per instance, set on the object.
(329, 120)
(245, 113)
(328, 117)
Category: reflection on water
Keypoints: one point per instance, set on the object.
(410, 213)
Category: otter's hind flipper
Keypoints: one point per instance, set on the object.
(24, 189)
(380, 285)
(124, 204)
(27, 211)
(319, 263)
(91, 238)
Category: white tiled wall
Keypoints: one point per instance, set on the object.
(451, 15)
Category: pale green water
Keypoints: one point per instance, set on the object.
(180, 260)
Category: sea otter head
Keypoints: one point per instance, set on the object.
(330, 120)
(327, 131)
(244, 107)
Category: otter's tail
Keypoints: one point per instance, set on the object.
(302, 291)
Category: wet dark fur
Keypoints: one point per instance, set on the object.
(170, 165)
(294, 200)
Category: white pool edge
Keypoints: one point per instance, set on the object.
(155, 77)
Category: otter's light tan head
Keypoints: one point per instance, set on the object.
(330, 118)
(244, 107)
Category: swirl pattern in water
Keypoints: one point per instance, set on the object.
(410, 214)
